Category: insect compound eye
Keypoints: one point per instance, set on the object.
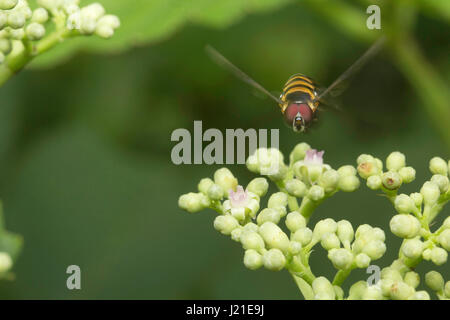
(290, 113)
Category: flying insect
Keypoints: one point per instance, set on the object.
(301, 97)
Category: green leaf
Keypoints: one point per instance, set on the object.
(148, 21)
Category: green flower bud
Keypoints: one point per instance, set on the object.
(236, 234)
(316, 193)
(299, 152)
(417, 198)
(258, 186)
(278, 199)
(372, 293)
(426, 254)
(274, 260)
(193, 202)
(16, 20)
(404, 226)
(438, 166)
(215, 192)
(225, 224)
(104, 31)
(40, 15)
(324, 226)
(392, 274)
(253, 260)
(296, 188)
(401, 291)
(339, 292)
(295, 247)
(329, 180)
(420, 295)
(375, 249)
(447, 289)
(438, 256)
(364, 158)
(35, 31)
(224, 178)
(391, 180)
(295, 221)
(3, 20)
(110, 20)
(412, 248)
(5, 262)
(8, 4)
(5, 46)
(374, 182)
(444, 239)
(323, 289)
(404, 204)
(430, 192)
(268, 214)
(251, 227)
(273, 236)
(368, 168)
(434, 281)
(408, 174)
(395, 161)
(362, 260)
(330, 241)
(412, 279)
(303, 236)
(357, 290)
(441, 181)
(251, 240)
(204, 185)
(341, 258)
(345, 231)
(346, 170)
(446, 223)
(17, 34)
(348, 183)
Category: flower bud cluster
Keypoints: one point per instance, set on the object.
(18, 22)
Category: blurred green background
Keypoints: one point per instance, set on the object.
(85, 170)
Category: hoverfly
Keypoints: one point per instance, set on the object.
(301, 97)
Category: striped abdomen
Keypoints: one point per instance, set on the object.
(299, 88)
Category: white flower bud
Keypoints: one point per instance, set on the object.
(5, 46)
(346, 170)
(104, 31)
(236, 234)
(412, 248)
(375, 249)
(323, 289)
(215, 192)
(225, 224)
(224, 178)
(296, 188)
(404, 204)
(17, 34)
(390, 273)
(299, 152)
(193, 202)
(426, 254)
(40, 15)
(93, 11)
(274, 260)
(408, 174)
(251, 240)
(258, 186)
(71, 8)
(295, 221)
(404, 226)
(345, 231)
(401, 291)
(109, 20)
(348, 183)
(7, 4)
(303, 236)
(441, 181)
(434, 280)
(238, 213)
(316, 193)
(357, 290)
(324, 226)
(362, 260)
(341, 258)
(368, 168)
(420, 295)
(3, 20)
(395, 161)
(374, 182)
(412, 279)
(253, 260)
(430, 192)
(364, 158)
(295, 247)
(417, 198)
(438, 166)
(16, 20)
(251, 227)
(204, 185)
(391, 180)
(273, 236)
(330, 241)
(372, 293)
(438, 256)
(5, 262)
(444, 239)
(329, 180)
(35, 31)
(268, 214)
(278, 199)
